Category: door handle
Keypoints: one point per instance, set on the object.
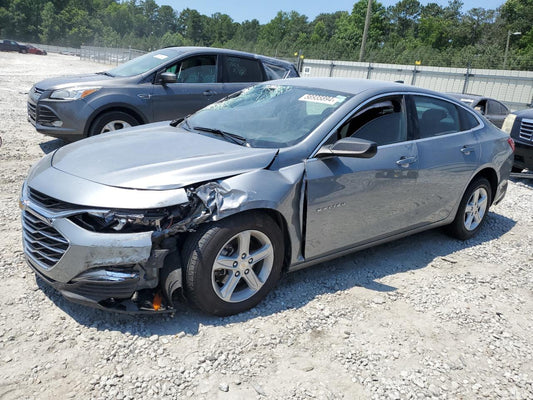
(144, 96)
(466, 150)
(209, 93)
(406, 161)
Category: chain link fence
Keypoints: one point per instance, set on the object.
(109, 55)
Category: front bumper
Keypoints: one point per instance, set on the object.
(105, 295)
(115, 271)
(84, 250)
(62, 119)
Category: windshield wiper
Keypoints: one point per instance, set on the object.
(227, 135)
(177, 121)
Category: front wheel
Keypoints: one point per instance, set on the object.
(472, 210)
(112, 121)
(232, 264)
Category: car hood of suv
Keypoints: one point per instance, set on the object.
(157, 157)
(74, 80)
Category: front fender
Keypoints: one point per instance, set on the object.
(132, 104)
(277, 190)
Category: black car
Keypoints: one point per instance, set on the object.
(164, 84)
(11, 45)
(519, 125)
(493, 110)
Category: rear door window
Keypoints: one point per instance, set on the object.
(436, 117)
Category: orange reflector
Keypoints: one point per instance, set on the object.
(157, 301)
(88, 92)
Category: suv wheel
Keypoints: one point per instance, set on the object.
(112, 121)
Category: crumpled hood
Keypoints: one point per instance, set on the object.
(157, 157)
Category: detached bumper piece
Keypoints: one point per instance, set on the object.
(112, 289)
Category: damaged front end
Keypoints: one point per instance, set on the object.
(120, 260)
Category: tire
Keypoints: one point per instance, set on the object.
(221, 275)
(112, 121)
(472, 211)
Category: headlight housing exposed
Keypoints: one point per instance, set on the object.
(73, 93)
(122, 221)
(129, 221)
(507, 126)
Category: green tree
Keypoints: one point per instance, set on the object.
(167, 20)
(221, 29)
(350, 27)
(25, 18)
(404, 17)
(192, 25)
(49, 31)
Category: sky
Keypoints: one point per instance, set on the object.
(265, 10)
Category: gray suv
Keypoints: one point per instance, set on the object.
(161, 85)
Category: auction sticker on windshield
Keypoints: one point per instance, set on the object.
(160, 56)
(316, 98)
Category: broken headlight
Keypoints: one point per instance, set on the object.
(124, 221)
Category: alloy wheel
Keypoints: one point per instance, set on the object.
(242, 266)
(115, 125)
(475, 208)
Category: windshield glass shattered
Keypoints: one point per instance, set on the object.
(144, 63)
(270, 115)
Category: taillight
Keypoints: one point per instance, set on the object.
(511, 143)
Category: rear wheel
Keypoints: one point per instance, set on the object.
(112, 121)
(231, 265)
(472, 210)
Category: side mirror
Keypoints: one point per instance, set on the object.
(168, 77)
(349, 147)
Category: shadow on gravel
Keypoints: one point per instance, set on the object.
(48, 147)
(361, 269)
(528, 182)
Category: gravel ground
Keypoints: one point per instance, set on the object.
(422, 317)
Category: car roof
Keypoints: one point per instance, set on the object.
(215, 50)
(467, 96)
(352, 86)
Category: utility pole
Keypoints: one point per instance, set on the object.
(365, 31)
(509, 33)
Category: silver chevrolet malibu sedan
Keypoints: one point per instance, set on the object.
(283, 175)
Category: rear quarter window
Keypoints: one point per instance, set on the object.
(243, 70)
(468, 120)
(275, 71)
